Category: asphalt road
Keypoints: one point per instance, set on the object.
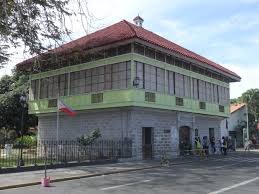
(234, 174)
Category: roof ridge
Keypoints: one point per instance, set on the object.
(123, 30)
(205, 60)
(236, 106)
(132, 29)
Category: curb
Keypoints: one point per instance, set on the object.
(85, 176)
(76, 177)
(54, 166)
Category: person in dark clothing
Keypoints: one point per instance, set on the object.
(212, 144)
(205, 145)
(253, 139)
(225, 146)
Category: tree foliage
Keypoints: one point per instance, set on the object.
(36, 24)
(11, 88)
(251, 98)
(89, 138)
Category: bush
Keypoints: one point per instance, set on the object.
(2, 137)
(89, 138)
(27, 140)
(12, 135)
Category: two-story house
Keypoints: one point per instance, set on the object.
(131, 84)
(236, 125)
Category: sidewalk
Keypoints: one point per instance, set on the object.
(22, 179)
(12, 180)
(251, 150)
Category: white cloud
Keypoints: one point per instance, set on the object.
(249, 79)
(185, 32)
(249, 1)
(210, 41)
(17, 56)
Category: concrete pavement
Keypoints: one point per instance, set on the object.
(13, 180)
(236, 173)
(22, 179)
(216, 163)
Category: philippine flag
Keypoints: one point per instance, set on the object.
(62, 107)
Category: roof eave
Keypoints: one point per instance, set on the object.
(29, 62)
(234, 78)
(243, 106)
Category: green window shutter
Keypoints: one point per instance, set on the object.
(179, 101)
(221, 108)
(52, 103)
(150, 97)
(97, 98)
(202, 105)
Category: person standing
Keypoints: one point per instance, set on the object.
(198, 146)
(230, 144)
(212, 145)
(254, 140)
(225, 145)
(222, 145)
(218, 147)
(205, 145)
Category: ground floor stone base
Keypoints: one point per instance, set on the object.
(154, 133)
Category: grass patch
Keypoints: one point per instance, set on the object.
(12, 162)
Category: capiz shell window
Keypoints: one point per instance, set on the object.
(34, 90)
(113, 76)
(54, 86)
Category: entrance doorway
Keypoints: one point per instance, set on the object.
(185, 140)
(147, 142)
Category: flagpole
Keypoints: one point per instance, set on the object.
(57, 121)
(58, 112)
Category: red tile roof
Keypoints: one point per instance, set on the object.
(122, 31)
(235, 107)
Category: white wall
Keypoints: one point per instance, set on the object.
(235, 118)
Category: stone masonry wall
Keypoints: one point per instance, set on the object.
(128, 123)
(112, 123)
(161, 122)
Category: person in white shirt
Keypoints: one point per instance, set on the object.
(222, 144)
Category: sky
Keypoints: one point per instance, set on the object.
(226, 32)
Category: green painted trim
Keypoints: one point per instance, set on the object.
(144, 59)
(89, 65)
(68, 84)
(128, 57)
(133, 72)
(126, 98)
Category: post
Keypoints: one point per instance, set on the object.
(247, 122)
(45, 161)
(57, 125)
(58, 110)
(22, 101)
(21, 163)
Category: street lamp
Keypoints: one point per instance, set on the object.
(23, 105)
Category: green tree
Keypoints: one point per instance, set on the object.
(33, 23)
(11, 88)
(251, 98)
(234, 101)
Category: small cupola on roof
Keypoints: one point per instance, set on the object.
(138, 21)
